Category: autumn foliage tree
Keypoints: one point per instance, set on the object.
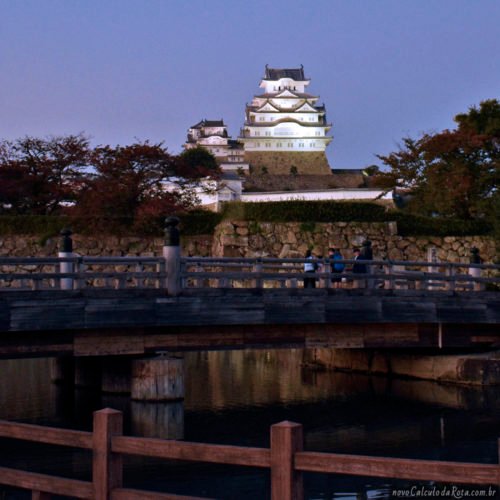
(135, 185)
(40, 176)
(108, 188)
(454, 172)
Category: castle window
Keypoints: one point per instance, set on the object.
(279, 144)
(268, 144)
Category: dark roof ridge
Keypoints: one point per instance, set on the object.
(296, 74)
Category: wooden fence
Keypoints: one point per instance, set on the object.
(285, 458)
(190, 272)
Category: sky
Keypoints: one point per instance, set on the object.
(127, 70)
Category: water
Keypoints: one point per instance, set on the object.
(233, 397)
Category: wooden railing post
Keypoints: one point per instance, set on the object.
(257, 269)
(286, 482)
(389, 284)
(172, 256)
(107, 471)
(450, 272)
(66, 250)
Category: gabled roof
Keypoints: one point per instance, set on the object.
(307, 107)
(267, 104)
(296, 74)
(278, 95)
(209, 123)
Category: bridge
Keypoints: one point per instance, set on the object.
(101, 306)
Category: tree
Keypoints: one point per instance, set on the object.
(135, 185)
(198, 162)
(453, 172)
(38, 176)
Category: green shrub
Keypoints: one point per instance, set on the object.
(199, 222)
(40, 225)
(308, 213)
(414, 225)
(305, 211)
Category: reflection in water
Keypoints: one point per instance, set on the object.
(234, 396)
(155, 420)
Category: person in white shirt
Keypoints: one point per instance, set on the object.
(310, 266)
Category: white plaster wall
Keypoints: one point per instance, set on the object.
(300, 145)
(273, 85)
(330, 194)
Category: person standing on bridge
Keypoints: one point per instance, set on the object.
(336, 267)
(358, 268)
(310, 266)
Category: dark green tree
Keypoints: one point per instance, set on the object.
(199, 162)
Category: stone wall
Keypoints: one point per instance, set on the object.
(265, 239)
(33, 246)
(251, 239)
(280, 163)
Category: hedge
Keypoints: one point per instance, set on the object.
(204, 222)
(305, 211)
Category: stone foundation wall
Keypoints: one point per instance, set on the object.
(276, 163)
(33, 246)
(265, 239)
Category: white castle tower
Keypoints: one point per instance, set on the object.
(284, 128)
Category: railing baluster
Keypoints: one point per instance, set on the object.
(257, 269)
(450, 272)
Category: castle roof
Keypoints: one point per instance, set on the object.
(209, 123)
(296, 74)
(276, 95)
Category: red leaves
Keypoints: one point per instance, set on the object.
(106, 186)
(454, 172)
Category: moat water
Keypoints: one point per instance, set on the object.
(233, 397)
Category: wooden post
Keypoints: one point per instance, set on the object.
(87, 371)
(257, 269)
(158, 379)
(62, 370)
(450, 272)
(389, 284)
(66, 250)
(286, 483)
(475, 272)
(107, 470)
(326, 268)
(172, 256)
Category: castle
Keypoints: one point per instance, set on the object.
(280, 152)
(285, 130)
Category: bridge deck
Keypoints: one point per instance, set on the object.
(135, 321)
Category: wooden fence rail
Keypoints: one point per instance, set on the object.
(202, 273)
(285, 458)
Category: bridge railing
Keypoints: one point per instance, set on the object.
(285, 458)
(209, 272)
(96, 272)
(289, 273)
